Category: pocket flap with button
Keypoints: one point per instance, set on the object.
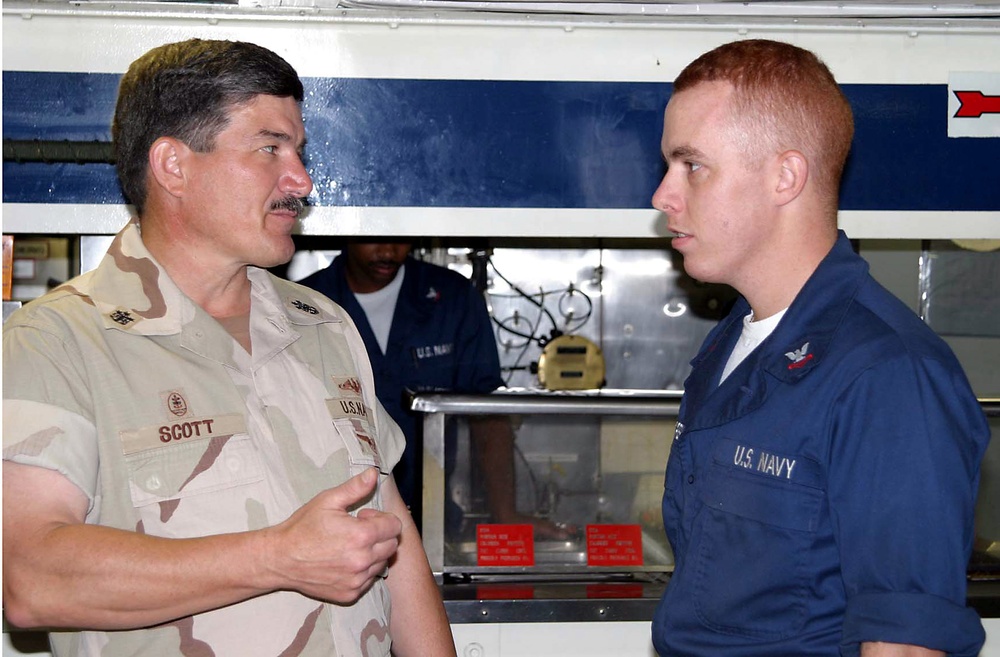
(182, 469)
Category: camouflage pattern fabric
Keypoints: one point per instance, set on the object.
(129, 389)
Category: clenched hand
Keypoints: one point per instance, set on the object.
(324, 552)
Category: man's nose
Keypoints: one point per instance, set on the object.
(296, 181)
(389, 251)
(666, 199)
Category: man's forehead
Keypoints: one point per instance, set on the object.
(270, 117)
(695, 109)
(703, 97)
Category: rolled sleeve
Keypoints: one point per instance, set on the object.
(902, 496)
(911, 618)
(48, 437)
(45, 421)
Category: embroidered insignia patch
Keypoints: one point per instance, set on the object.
(176, 403)
(122, 317)
(305, 307)
(350, 384)
(799, 357)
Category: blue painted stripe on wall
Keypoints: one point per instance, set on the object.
(512, 144)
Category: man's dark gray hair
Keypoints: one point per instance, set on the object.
(186, 90)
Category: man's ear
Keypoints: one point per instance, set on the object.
(793, 172)
(166, 164)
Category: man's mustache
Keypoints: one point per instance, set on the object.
(290, 203)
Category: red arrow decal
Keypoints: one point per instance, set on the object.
(973, 104)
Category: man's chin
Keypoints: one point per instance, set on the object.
(277, 256)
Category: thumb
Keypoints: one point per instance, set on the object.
(355, 490)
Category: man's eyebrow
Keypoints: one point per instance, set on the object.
(280, 136)
(684, 153)
(272, 134)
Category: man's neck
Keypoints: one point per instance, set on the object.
(220, 291)
(238, 327)
(787, 266)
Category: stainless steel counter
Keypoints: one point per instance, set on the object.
(573, 592)
(584, 459)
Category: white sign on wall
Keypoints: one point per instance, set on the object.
(974, 104)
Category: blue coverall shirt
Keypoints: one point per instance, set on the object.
(441, 339)
(823, 495)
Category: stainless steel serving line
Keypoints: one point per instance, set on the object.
(582, 431)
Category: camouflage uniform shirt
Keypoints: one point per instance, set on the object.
(129, 389)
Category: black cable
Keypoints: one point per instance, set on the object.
(585, 317)
(524, 349)
(542, 341)
(502, 325)
(530, 298)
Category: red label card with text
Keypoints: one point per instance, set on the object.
(614, 545)
(505, 592)
(617, 590)
(505, 545)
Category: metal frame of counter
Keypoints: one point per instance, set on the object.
(436, 406)
(596, 601)
(579, 597)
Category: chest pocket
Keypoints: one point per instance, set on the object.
(434, 367)
(751, 546)
(194, 488)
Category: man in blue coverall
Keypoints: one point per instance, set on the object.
(426, 328)
(821, 483)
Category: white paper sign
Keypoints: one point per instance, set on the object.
(974, 104)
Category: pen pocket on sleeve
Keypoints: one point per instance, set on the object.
(362, 451)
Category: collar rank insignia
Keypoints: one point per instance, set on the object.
(799, 357)
(305, 307)
(122, 317)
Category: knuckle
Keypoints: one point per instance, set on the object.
(359, 563)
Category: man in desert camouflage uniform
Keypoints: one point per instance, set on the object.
(195, 461)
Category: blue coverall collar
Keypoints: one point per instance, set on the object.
(795, 348)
